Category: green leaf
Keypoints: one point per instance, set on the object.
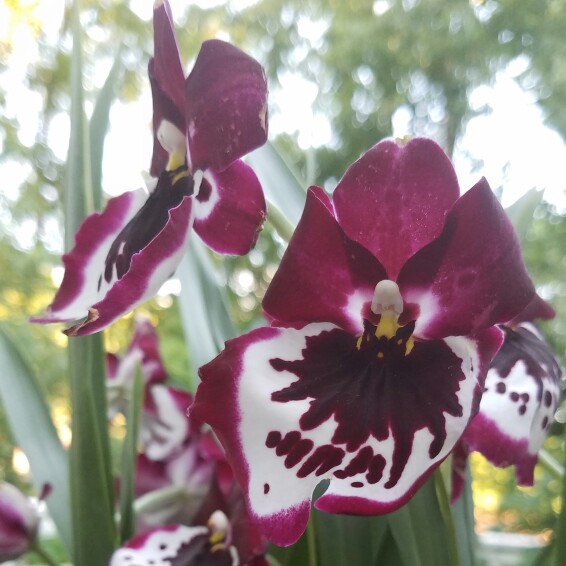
(344, 539)
(422, 532)
(463, 514)
(129, 457)
(559, 542)
(79, 199)
(279, 183)
(34, 432)
(203, 305)
(402, 531)
(91, 479)
(296, 555)
(92, 498)
(521, 212)
(99, 127)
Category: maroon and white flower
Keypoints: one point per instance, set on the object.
(383, 314)
(19, 521)
(202, 125)
(143, 352)
(223, 536)
(522, 391)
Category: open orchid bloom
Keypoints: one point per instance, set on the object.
(522, 391)
(225, 537)
(19, 521)
(383, 312)
(202, 125)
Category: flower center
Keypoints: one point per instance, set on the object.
(219, 527)
(174, 143)
(388, 304)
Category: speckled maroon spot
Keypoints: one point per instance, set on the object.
(500, 387)
(547, 398)
(375, 391)
(266, 488)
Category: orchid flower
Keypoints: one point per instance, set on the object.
(224, 537)
(522, 391)
(174, 449)
(143, 352)
(19, 521)
(202, 125)
(383, 312)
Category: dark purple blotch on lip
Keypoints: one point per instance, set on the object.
(170, 190)
(372, 391)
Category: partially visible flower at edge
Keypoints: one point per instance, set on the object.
(19, 522)
(174, 449)
(202, 125)
(383, 318)
(522, 392)
(221, 534)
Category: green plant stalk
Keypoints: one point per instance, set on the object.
(550, 464)
(91, 483)
(279, 222)
(559, 558)
(311, 542)
(446, 511)
(43, 554)
(129, 457)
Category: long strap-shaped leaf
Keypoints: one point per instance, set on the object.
(34, 432)
(203, 305)
(91, 480)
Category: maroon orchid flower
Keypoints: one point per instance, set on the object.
(383, 314)
(202, 125)
(522, 391)
(19, 522)
(221, 535)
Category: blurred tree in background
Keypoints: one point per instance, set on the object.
(364, 66)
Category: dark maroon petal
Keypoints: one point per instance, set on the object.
(537, 309)
(302, 405)
(245, 537)
(517, 408)
(226, 106)
(230, 209)
(150, 475)
(472, 276)
(167, 82)
(19, 521)
(167, 67)
(324, 276)
(164, 109)
(394, 199)
(459, 463)
(146, 344)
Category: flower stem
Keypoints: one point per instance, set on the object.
(311, 542)
(446, 512)
(43, 554)
(550, 464)
(559, 557)
(279, 221)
